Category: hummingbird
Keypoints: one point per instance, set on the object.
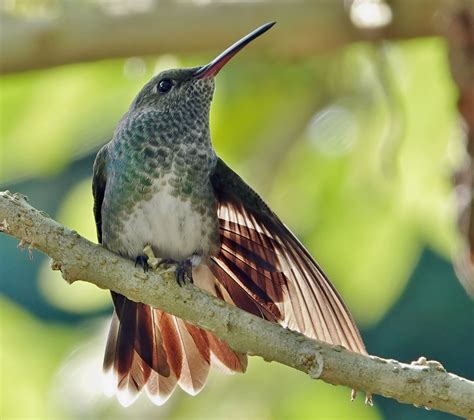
(159, 183)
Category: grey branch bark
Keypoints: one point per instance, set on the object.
(423, 383)
(90, 32)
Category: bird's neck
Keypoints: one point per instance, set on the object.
(159, 144)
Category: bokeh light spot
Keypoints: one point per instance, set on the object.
(333, 131)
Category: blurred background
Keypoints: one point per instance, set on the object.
(345, 117)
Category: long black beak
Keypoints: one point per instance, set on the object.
(211, 69)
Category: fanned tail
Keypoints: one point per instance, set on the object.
(150, 350)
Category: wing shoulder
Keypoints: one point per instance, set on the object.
(228, 185)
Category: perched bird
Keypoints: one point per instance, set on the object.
(159, 183)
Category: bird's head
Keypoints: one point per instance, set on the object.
(187, 93)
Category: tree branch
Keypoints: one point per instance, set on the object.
(92, 32)
(423, 383)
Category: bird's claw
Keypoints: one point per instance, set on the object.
(184, 270)
(142, 261)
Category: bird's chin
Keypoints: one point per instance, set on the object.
(203, 88)
(207, 83)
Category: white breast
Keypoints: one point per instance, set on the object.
(168, 224)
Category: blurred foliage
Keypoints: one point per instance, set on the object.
(27, 368)
(354, 150)
(50, 117)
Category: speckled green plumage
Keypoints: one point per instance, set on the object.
(160, 145)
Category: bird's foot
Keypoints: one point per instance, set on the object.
(184, 270)
(142, 261)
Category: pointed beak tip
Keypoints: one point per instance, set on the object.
(211, 69)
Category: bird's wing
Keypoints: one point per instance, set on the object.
(99, 180)
(262, 268)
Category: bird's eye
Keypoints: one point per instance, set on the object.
(164, 85)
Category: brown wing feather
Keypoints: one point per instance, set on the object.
(131, 372)
(109, 356)
(159, 388)
(195, 365)
(240, 295)
(162, 381)
(262, 260)
(171, 341)
(224, 358)
(127, 314)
